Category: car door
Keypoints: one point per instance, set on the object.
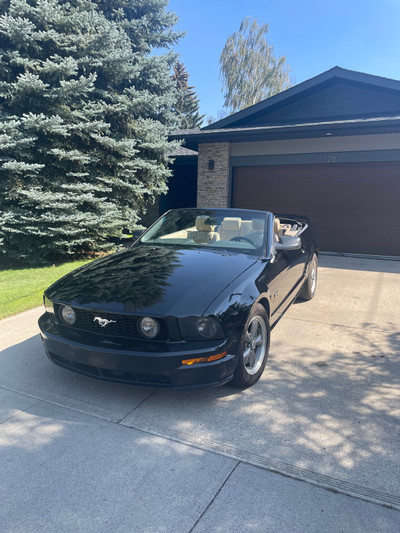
(296, 261)
(285, 272)
(277, 281)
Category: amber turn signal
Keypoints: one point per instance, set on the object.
(204, 359)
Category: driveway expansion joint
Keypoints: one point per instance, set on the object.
(323, 481)
(215, 496)
(136, 406)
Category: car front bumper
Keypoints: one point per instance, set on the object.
(162, 369)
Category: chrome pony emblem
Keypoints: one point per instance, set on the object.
(103, 322)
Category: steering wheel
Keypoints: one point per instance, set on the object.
(240, 238)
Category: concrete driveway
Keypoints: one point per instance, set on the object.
(314, 446)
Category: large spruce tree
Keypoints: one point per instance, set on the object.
(85, 110)
(187, 105)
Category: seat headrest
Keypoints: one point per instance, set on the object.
(258, 223)
(246, 227)
(201, 223)
(231, 224)
(277, 225)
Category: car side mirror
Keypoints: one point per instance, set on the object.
(288, 243)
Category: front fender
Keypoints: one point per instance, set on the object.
(233, 305)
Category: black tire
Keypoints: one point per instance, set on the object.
(310, 285)
(246, 373)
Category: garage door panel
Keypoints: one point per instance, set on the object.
(354, 206)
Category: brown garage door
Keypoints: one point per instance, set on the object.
(355, 207)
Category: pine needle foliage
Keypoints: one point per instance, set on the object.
(85, 111)
(249, 70)
(187, 106)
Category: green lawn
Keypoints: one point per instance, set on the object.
(23, 289)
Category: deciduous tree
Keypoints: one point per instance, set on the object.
(250, 71)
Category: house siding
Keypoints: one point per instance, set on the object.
(329, 144)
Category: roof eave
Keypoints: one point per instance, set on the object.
(192, 140)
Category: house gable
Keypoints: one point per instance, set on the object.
(334, 95)
(338, 100)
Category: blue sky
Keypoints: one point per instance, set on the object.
(314, 35)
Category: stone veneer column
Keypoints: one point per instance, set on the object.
(213, 184)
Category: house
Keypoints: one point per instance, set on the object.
(328, 148)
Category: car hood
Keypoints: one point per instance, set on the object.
(152, 280)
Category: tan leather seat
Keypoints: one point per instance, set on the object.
(278, 231)
(230, 228)
(205, 232)
(246, 227)
(257, 224)
(256, 234)
(292, 231)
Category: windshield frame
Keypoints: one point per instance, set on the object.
(221, 212)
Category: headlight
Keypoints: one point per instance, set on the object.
(67, 314)
(149, 327)
(48, 305)
(196, 328)
(206, 327)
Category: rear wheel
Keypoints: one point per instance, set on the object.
(253, 348)
(310, 285)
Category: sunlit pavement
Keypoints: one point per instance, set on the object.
(314, 446)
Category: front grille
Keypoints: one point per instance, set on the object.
(122, 326)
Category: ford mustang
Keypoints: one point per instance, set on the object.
(190, 303)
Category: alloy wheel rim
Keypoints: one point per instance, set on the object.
(254, 345)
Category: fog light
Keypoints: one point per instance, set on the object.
(204, 359)
(149, 327)
(68, 314)
(206, 327)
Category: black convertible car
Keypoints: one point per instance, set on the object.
(189, 304)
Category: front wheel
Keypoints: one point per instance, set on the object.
(310, 285)
(253, 348)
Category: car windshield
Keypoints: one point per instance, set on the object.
(236, 230)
